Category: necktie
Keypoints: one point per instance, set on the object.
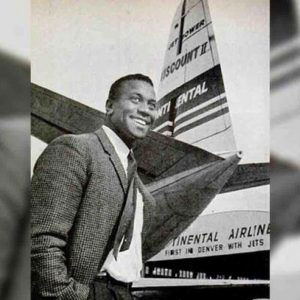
(125, 229)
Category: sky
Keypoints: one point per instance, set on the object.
(80, 47)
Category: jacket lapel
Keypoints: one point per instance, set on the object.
(113, 156)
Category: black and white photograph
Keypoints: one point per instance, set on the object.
(186, 214)
(150, 150)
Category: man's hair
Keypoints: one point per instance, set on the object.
(113, 91)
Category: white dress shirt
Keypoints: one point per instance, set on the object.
(128, 266)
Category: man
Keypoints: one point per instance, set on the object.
(93, 221)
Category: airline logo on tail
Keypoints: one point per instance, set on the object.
(193, 105)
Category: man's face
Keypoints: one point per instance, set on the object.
(134, 111)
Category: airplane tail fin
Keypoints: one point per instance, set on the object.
(193, 105)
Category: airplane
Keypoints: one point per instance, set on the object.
(191, 153)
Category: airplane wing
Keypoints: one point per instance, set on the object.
(158, 156)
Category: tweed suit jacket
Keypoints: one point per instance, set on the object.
(78, 191)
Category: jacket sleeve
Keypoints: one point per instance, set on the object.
(57, 187)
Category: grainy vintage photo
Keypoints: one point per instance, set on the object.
(150, 150)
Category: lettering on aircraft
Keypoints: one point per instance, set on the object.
(243, 235)
(191, 94)
(164, 109)
(245, 238)
(184, 97)
(188, 33)
(250, 231)
(195, 239)
(184, 60)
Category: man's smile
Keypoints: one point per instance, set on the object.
(141, 121)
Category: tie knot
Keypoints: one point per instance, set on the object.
(131, 155)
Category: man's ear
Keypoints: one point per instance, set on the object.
(109, 107)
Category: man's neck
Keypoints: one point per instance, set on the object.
(128, 141)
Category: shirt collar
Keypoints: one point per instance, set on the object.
(120, 147)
